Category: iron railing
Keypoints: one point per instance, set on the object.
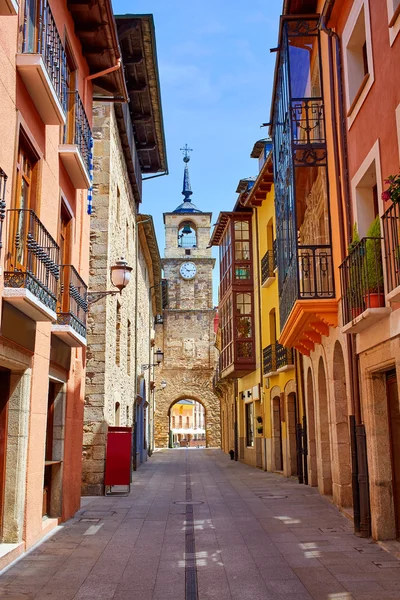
(77, 129)
(3, 181)
(72, 301)
(276, 356)
(284, 356)
(267, 266)
(275, 253)
(309, 277)
(32, 258)
(361, 276)
(391, 232)
(40, 36)
(269, 359)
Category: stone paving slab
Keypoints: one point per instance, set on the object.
(257, 536)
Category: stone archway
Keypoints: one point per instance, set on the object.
(290, 466)
(342, 492)
(311, 440)
(184, 431)
(277, 449)
(324, 441)
(192, 385)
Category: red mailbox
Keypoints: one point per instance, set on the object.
(119, 457)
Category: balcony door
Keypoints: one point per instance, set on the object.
(25, 199)
(31, 33)
(65, 253)
(4, 397)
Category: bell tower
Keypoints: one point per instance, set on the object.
(187, 334)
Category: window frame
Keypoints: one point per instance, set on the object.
(393, 21)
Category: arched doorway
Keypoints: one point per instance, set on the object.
(187, 424)
(324, 445)
(277, 434)
(342, 493)
(312, 447)
(291, 434)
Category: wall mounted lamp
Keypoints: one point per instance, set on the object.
(159, 355)
(120, 276)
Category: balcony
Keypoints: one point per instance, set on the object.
(277, 359)
(72, 308)
(307, 301)
(363, 293)
(42, 64)
(8, 8)
(391, 231)
(31, 271)
(75, 151)
(268, 268)
(3, 182)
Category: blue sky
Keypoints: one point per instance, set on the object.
(216, 74)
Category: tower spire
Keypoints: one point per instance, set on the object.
(187, 190)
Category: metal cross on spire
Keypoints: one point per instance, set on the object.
(185, 151)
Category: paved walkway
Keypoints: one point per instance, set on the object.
(245, 535)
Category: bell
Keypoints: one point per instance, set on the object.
(187, 230)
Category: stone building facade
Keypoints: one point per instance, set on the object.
(187, 335)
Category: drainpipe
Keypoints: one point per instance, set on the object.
(235, 425)
(260, 323)
(101, 74)
(360, 483)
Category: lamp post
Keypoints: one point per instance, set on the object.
(120, 276)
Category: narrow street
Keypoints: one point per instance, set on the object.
(197, 525)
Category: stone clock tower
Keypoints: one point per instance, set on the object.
(187, 335)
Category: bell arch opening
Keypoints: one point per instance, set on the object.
(187, 235)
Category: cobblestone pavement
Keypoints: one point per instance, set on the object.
(244, 535)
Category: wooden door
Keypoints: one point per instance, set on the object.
(49, 448)
(4, 397)
(394, 427)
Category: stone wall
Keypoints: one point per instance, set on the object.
(114, 354)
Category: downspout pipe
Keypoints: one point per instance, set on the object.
(101, 74)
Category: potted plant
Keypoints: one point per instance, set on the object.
(259, 419)
(373, 267)
(259, 429)
(354, 289)
(393, 191)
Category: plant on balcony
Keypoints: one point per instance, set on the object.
(259, 419)
(393, 191)
(355, 299)
(373, 267)
(260, 429)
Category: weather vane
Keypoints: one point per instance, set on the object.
(185, 151)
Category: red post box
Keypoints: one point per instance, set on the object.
(118, 457)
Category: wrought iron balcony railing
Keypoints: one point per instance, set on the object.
(276, 357)
(308, 278)
(267, 266)
(362, 279)
(40, 36)
(72, 301)
(77, 129)
(3, 181)
(275, 251)
(32, 258)
(284, 356)
(391, 231)
(269, 359)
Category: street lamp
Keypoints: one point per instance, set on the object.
(159, 355)
(120, 276)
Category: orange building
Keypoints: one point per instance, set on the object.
(55, 56)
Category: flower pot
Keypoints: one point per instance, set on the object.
(374, 300)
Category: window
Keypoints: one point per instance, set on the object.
(173, 422)
(180, 421)
(358, 63)
(249, 424)
(393, 8)
(187, 422)
(366, 191)
(118, 335)
(128, 348)
(117, 414)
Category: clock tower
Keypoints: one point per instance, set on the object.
(187, 335)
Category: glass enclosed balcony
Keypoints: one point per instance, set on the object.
(304, 247)
(42, 62)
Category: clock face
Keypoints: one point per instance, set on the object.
(188, 270)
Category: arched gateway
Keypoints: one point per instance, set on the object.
(185, 330)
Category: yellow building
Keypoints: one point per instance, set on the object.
(260, 407)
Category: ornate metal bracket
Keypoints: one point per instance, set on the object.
(93, 297)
